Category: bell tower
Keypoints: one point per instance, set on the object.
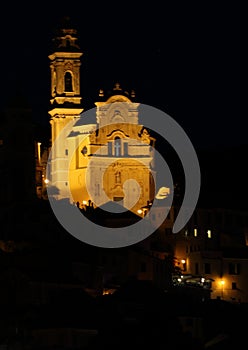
(65, 101)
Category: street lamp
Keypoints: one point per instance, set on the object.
(183, 261)
(222, 282)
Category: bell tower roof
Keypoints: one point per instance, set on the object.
(66, 37)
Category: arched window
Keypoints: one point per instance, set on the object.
(117, 147)
(68, 82)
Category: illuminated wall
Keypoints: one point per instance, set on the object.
(65, 100)
(113, 162)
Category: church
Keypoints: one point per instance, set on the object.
(99, 155)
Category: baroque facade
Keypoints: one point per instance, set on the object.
(109, 160)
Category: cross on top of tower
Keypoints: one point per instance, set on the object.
(117, 86)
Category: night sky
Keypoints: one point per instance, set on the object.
(188, 60)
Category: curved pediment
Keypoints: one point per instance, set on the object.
(119, 131)
(118, 98)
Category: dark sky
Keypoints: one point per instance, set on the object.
(187, 60)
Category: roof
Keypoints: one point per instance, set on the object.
(117, 91)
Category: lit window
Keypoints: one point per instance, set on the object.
(195, 232)
(209, 233)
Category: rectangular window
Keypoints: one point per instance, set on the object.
(66, 152)
(110, 148)
(125, 149)
(207, 268)
(209, 233)
(234, 268)
(195, 232)
(234, 285)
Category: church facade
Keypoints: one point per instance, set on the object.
(109, 159)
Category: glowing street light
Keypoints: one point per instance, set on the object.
(222, 282)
